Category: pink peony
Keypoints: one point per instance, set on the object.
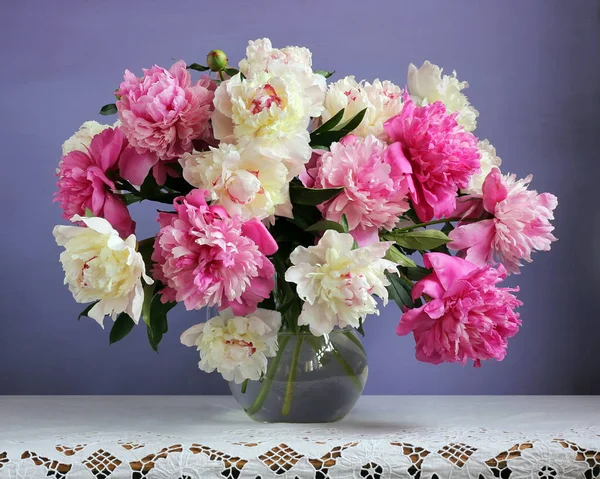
(204, 257)
(520, 224)
(84, 181)
(375, 185)
(468, 316)
(442, 154)
(161, 113)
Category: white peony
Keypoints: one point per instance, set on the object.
(382, 100)
(270, 108)
(261, 57)
(489, 160)
(337, 283)
(101, 266)
(248, 181)
(236, 346)
(427, 85)
(81, 139)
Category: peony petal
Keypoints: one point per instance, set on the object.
(476, 239)
(494, 190)
(134, 167)
(258, 233)
(190, 336)
(448, 269)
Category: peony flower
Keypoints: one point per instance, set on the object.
(520, 224)
(336, 282)
(261, 57)
(468, 316)
(236, 346)
(488, 161)
(207, 258)
(383, 100)
(101, 266)
(81, 139)
(427, 85)
(442, 155)
(375, 186)
(161, 113)
(245, 180)
(271, 108)
(84, 180)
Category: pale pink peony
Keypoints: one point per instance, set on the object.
(442, 154)
(204, 257)
(84, 181)
(375, 185)
(467, 315)
(161, 113)
(520, 224)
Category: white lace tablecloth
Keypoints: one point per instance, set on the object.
(183, 437)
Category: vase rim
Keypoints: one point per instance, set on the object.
(288, 332)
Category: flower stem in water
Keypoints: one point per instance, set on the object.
(289, 390)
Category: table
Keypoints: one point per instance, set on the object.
(203, 437)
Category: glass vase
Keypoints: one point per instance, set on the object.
(311, 379)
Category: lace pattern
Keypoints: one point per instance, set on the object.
(295, 451)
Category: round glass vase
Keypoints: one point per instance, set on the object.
(311, 379)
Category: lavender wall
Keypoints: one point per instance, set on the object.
(535, 78)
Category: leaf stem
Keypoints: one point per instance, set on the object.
(347, 368)
(244, 386)
(268, 380)
(289, 390)
(428, 223)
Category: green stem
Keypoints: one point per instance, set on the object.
(289, 390)
(244, 386)
(340, 357)
(268, 380)
(221, 75)
(347, 368)
(350, 335)
(423, 225)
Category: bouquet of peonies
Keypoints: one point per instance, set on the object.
(292, 204)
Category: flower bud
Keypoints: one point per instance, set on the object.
(216, 60)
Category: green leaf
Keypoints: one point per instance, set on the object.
(147, 304)
(122, 327)
(89, 213)
(312, 196)
(198, 67)
(109, 109)
(331, 123)
(398, 292)
(393, 254)
(344, 222)
(231, 71)
(419, 240)
(157, 321)
(86, 310)
(305, 215)
(326, 138)
(360, 327)
(417, 273)
(325, 73)
(325, 225)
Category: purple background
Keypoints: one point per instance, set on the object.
(534, 72)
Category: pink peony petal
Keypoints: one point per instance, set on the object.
(134, 167)
(493, 190)
(258, 233)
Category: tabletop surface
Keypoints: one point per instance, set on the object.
(101, 437)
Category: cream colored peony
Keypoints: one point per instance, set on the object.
(337, 283)
(236, 346)
(382, 100)
(270, 108)
(489, 160)
(81, 139)
(101, 266)
(249, 181)
(261, 57)
(427, 85)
